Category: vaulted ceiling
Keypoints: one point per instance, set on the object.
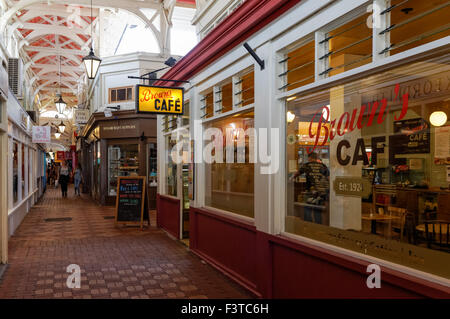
(56, 34)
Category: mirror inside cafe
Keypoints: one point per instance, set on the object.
(371, 157)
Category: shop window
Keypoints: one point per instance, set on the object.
(207, 103)
(120, 94)
(171, 168)
(123, 161)
(415, 22)
(229, 183)
(247, 93)
(15, 172)
(347, 47)
(185, 116)
(380, 154)
(23, 172)
(298, 67)
(165, 123)
(224, 97)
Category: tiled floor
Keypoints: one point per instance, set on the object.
(114, 262)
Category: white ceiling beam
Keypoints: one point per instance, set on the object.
(52, 29)
(71, 57)
(55, 50)
(68, 33)
(64, 68)
(56, 78)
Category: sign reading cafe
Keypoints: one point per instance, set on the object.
(159, 100)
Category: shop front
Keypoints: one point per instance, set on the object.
(328, 160)
(122, 145)
(23, 172)
(3, 161)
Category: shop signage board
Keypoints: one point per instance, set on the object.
(81, 116)
(159, 100)
(352, 186)
(41, 134)
(60, 156)
(411, 137)
(130, 201)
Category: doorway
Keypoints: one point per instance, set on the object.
(185, 204)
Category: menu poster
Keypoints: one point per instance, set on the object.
(442, 145)
(411, 137)
(130, 201)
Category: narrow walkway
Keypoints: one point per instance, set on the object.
(114, 262)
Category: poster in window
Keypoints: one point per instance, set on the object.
(410, 137)
(442, 145)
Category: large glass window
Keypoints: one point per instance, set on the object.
(23, 172)
(123, 161)
(229, 184)
(347, 47)
(298, 67)
(415, 22)
(378, 149)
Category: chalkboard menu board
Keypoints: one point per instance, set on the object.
(130, 200)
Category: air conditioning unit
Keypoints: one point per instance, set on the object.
(15, 76)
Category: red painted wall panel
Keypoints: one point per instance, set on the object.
(227, 244)
(278, 267)
(168, 214)
(298, 275)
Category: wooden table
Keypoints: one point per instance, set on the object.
(377, 217)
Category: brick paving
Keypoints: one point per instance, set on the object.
(115, 262)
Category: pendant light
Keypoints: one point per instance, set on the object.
(62, 127)
(60, 104)
(57, 134)
(91, 62)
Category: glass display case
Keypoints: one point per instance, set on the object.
(123, 161)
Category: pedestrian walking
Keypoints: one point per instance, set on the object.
(77, 179)
(64, 178)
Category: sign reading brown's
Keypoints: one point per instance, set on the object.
(159, 100)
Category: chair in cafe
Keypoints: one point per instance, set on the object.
(437, 233)
(397, 223)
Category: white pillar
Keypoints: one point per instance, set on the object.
(269, 188)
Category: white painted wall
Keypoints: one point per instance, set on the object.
(114, 72)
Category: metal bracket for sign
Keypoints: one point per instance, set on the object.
(254, 55)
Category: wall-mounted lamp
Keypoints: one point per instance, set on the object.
(438, 118)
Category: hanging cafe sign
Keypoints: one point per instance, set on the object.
(159, 100)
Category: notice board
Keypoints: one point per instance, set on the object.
(131, 208)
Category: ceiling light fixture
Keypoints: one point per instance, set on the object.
(60, 104)
(62, 127)
(91, 62)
